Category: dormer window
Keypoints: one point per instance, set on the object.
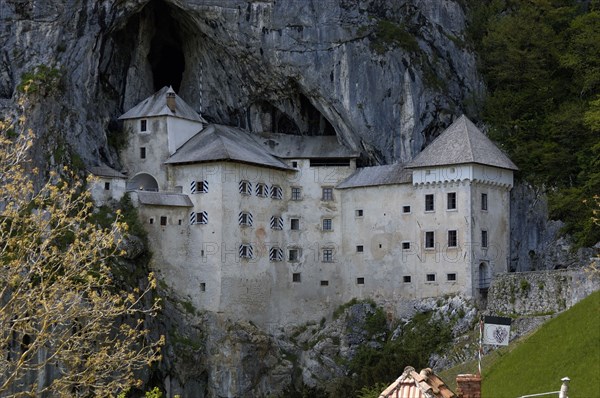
(143, 126)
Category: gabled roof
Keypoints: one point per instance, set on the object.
(218, 142)
(411, 384)
(105, 171)
(286, 146)
(156, 105)
(377, 175)
(164, 199)
(462, 143)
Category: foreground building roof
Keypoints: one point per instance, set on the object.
(224, 143)
(462, 143)
(156, 105)
(411, 384)
(164, 199)
(377, 175)
(106, 171)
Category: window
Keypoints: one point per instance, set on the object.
(163, 220)
(198, 218)
(327, 224)
(245, 187)
(262, 190)
(246, 251)
(199, 186)
(405, 209)
(324, 283)
(484, 202)
(429, 202)
(327, 194)
(296, 193)
(451, 201)
(358, 213)
(360, 249)
(405, 245)
(143, 125)
(406, 279)
(360, 281)
(202, 286)
(107, 186)
(275, 254)
(295, 224)
(179, 222)
(294, 255)
(151, 220)
(327, 255)
(276, 192)
(143, 153)
(430, 278)
(484, 238)
(296, 277)
(452, 238)
(245, 219)
(295, 164)
(276, 223)
(429, 240)
(451, 277)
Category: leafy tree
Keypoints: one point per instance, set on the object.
(61, 312)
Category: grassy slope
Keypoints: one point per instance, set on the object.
(568, 345)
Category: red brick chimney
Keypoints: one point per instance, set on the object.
(468, 386)
(171, 100)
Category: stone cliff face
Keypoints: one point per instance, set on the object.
(385, 76)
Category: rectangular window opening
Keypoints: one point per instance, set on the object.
(484, 201)
(275, 254)
(429, 240)
(360, 248)
(327, 255)
(276, 192)
(360, 281)
(327, 194)
(296, 277)
(202, 286)
(295, 224)
(452, 238)
(293, 255)
(484, 238)
(451, 201)
(406, 279)
(405, 245)
(324, 283)
(143, 153)
(405, 209)
(327, 224)
(296, 193)
(163, 220)
(107, 186)
(429, 202)
(451, 277)
(358, 213)
(430, 277)
(143, 125)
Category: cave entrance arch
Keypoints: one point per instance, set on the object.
(142, 182)
(166, 56)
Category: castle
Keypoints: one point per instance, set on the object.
(281, 229)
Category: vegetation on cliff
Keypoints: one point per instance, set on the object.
(541, 62)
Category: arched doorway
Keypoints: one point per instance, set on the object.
(142, 182)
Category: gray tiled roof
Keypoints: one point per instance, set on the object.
(218, 142)
(164, 199)
(105, 171)
(377, 175)
(462, 143)
(156, 105)
(286, 146)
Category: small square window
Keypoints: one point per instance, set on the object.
(327, 255)
(358, 213)
(327, 194)
(452, 238)
(451, 201)
(143, 125)
(484, 238)
(451, 277)
(294, 164)
(406, 279)
(484, 201)
(202, 286)
(296, 193)
(405, 245)
(430, 277)
(429, 240)
(324, 283)
(429, 202)
(143, 153)
(163, 220)
(327, 224)
(360, 281)
(293, 255)
(295, 224)
(405, 209)
(360, 248)
(296, 277)
(107, 186)
(199, 187)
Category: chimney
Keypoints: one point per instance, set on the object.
(468, 386)
(171, 99)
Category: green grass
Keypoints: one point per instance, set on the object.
(568, 345)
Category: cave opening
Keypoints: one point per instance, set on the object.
(166, 56)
